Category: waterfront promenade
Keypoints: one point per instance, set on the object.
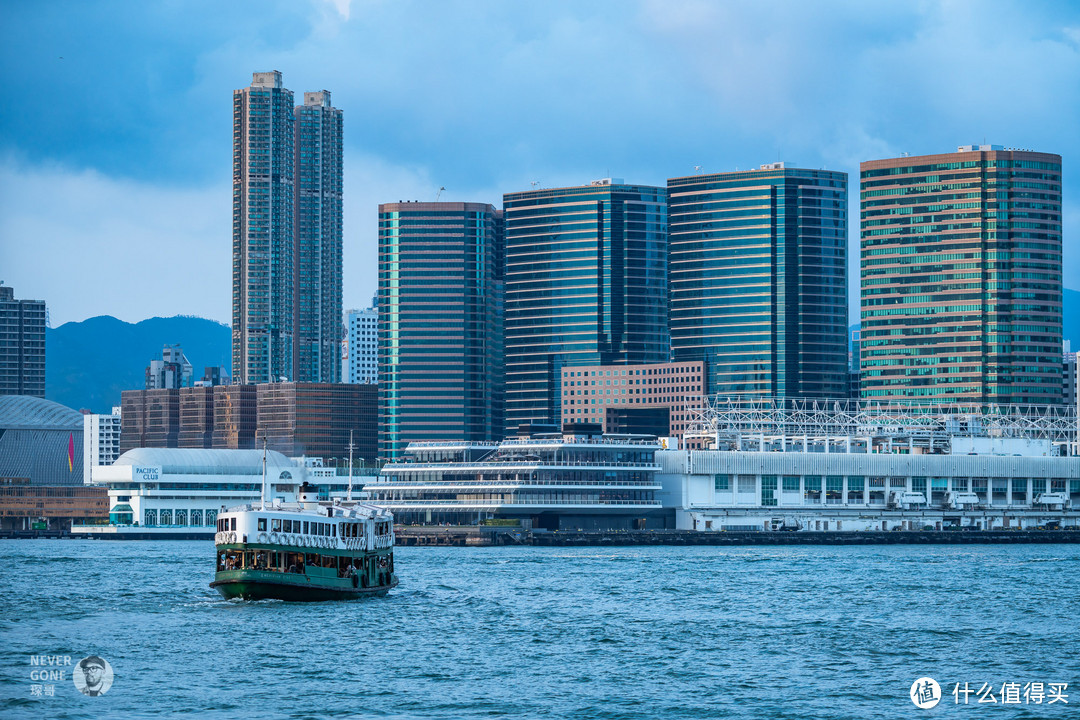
(481, 536)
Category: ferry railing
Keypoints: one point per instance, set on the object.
(510, 462)
(382, 484)
(502, 503)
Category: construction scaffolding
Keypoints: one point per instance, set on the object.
(808, 425)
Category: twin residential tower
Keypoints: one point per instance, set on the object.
(287, 234)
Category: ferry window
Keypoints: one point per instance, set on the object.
(275, 526)
(262, 524)
(305, 530)
(233, 523)
(333, 531)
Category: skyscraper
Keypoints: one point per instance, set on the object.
(263, 263)
(317, 227)
(440, 324)
(758, 278)
(22, 345)
(961, 277)
(586, 284)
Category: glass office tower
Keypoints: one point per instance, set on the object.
(758, 278)
(317, 227)
(440, 324)
(961, 277)
(586, 284)
(262, 231)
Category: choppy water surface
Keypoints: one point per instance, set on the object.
(804, 632)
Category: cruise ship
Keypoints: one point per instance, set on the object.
(579, 479)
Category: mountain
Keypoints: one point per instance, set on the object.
(88, 363)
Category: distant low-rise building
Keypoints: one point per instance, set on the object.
(149, 418)
(101, 440)
(172, 371)
(658, 399)
(41, 466)
(236, 414)
(313, 419)
(317, 419)
(362, 344)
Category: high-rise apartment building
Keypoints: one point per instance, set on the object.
(317, 229)
(440, 324)
(961, 277)
(263, 251)
(758, 280)
(363, 345)
(22, 345)
(586, 284)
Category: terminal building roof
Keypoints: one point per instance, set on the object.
(185, 461)
(24, 412)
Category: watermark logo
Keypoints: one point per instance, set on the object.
(925, 693)
(93, 676)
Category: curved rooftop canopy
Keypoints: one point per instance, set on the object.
(24, 412)
(198, 461)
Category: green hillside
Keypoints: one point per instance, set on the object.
(88, 363)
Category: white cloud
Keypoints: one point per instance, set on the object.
(342, 7)
(91, 245)
(370, 180)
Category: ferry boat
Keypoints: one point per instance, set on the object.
(308, 550)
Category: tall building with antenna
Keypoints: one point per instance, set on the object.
(758, 279)
(263, 272)
(440, 324)
(586, 284)
(317, 223)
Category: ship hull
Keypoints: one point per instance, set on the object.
(262, 588)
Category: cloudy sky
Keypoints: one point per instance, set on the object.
(115, 130)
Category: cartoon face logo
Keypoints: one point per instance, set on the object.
(93, 676)
(925, 693)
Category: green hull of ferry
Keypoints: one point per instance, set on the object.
(314, 582)
(258, 585)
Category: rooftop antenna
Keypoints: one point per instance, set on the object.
(348, 494)
(439, 194)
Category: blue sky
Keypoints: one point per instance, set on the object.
(115, 130)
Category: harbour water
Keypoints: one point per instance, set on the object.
(522, 632)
